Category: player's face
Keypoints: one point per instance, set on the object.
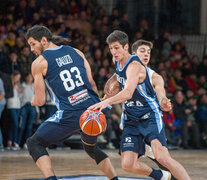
(36, 46)
(143, 52)
(118, 51)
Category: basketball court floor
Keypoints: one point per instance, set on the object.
(75, 164)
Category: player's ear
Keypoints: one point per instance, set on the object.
(126, 46)
(44, 40)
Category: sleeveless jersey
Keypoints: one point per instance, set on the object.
(67, 81)
(150, 72)
(144, 100)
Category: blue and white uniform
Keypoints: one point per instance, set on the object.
(70, 89)
(142, 115)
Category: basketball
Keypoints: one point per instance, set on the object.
(92, 122)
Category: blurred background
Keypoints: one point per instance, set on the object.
(177, 28)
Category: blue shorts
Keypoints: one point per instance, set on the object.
(138, 133)
(61, 126)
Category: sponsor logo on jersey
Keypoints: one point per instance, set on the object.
(64, 60)
(79, 97)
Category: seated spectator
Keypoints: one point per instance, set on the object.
(191, 82)
(201, 116)
(173, 128)
(192, 124)
(180, 111)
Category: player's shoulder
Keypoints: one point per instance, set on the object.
(39, 63)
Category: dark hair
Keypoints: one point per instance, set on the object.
(141, 42)
(37, 32)
(119, 36)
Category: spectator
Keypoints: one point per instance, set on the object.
(2, 104)
(192, 124)
(173, 128)
(201, 115)
(180, 111)
(13, 105)
(27, 112)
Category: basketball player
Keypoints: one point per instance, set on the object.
(67, 75)
(143, 118)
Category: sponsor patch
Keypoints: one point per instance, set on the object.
(78, 97)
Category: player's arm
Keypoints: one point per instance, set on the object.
(132, 74)
(88, 71)
(39, 84)
(158, 84)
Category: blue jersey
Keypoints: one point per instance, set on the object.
(144, 100)
(67, 80)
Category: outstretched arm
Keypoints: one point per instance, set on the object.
(158, 84)
(125, 94)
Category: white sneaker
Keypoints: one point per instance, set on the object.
(148, 151)
(101, 139)
(110, 146)
(166, 175)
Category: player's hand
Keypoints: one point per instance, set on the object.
(165, 104)
(32, 101)
(101, 105)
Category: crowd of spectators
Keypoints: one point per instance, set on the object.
(87, 25)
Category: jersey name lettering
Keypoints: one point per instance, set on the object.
(121, 79)
(64, 60)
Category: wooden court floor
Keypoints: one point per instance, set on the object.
(19, 165)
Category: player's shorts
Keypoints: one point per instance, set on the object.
(136, 133)
(61, 126)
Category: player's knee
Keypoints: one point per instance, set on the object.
(127, 165)
(36, 147)
(95, 153)
(163, 160)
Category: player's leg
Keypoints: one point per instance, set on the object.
(37, 149)
(131, 144)
(102, 160)
(50, 131)
(163, 157)
(150, 155)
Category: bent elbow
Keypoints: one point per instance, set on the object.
(41, 102)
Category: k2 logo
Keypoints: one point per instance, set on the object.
(128, 139)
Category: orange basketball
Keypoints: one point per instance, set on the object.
(92, 122)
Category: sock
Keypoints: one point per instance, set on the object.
(51, 178)
(156, 174)
(115, 178)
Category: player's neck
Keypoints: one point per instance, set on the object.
(124, 60)
(51, 46)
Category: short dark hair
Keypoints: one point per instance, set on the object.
(119, 36)
(37, 32)
(140, 42)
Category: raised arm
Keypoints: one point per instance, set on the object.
(38, 68)
(158, 85)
